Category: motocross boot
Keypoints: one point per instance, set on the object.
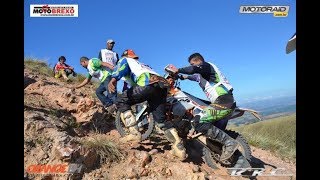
(129, 120)
(230, 145)
(177, 149)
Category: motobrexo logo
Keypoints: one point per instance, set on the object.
(53, 10)
(277, 11)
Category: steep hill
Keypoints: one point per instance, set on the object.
(66, 129)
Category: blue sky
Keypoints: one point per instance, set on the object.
(248, 48)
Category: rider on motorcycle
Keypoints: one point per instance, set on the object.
(218, 90)
(145, 85)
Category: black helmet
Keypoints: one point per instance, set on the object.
(62, 58)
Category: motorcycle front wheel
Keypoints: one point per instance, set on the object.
(145, 125)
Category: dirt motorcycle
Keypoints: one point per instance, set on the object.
(183, 109)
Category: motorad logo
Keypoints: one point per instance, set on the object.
(277, 11)
(53, 10)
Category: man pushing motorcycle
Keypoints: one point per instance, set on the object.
(219, 91)
(145, 85)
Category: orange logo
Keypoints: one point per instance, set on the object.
(53, 169)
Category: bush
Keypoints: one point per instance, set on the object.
(106, 149)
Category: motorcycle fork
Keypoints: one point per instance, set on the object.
(144, 107)
(140, 113)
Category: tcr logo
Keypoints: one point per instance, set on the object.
(257, 172)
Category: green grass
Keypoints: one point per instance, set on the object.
(277, 135)
(107, 150)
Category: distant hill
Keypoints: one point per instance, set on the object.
(267, 108)
(270, 102)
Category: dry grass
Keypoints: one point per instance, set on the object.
(277, 135)
(42, 67)
(107, 150)
(37, 65)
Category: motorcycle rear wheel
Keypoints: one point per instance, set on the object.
(239, 159)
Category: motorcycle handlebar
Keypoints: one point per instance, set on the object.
(172, 74)
(180, 76)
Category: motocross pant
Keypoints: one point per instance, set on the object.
(153, 94)
(220, 109)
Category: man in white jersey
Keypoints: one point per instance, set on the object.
(109, 56)
(219, 91)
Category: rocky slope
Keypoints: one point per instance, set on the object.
(70, 129)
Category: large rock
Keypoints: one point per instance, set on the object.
(62, 98)
(88, 157)
(86, 109)
(65, 152)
